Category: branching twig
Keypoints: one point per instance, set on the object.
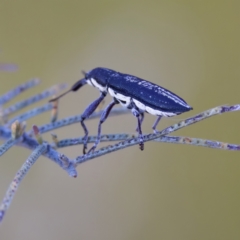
(166, 139)
(37, 152)
(31, 113)
(76, 119)
(16, 91)
(49, 92)
(153, 136)
(32, 140)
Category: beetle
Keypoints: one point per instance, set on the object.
(134, 93)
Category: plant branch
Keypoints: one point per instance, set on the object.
(37, 152)
(165, 139)
(149, 137)
(13, 133)
(18, 90)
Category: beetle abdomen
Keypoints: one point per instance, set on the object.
(149, 95)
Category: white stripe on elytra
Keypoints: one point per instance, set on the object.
(159, 113)
(139, 105)
(164, 92)
(150, 110)
(120, 97)
(111, 92)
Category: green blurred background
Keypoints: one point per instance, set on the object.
(165, 192)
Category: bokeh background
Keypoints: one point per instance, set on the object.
(165, 192)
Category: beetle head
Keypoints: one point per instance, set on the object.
(101, 75)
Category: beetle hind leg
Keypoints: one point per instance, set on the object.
(139, 117)
(85, 138)
(156, 123)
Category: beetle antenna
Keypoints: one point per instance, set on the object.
(84, 73)
(74, 88)
(56, 98)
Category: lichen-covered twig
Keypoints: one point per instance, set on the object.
(76, 119)
(198, 142)
(18, 178)
(30, 143)
(18, 90)
(32, 140)
(40, 96)
(165, 139)
(153, 136)
(91, 139)
(31, 113)
(7, 145)
(17, 130)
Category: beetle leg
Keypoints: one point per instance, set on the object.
(103, 118)
(142, 118)
(137, 114)
(86, 114)
(155, 124)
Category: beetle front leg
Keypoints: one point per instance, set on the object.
(139, 117)
(86, 114)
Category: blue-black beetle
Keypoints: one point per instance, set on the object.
(131, 92)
